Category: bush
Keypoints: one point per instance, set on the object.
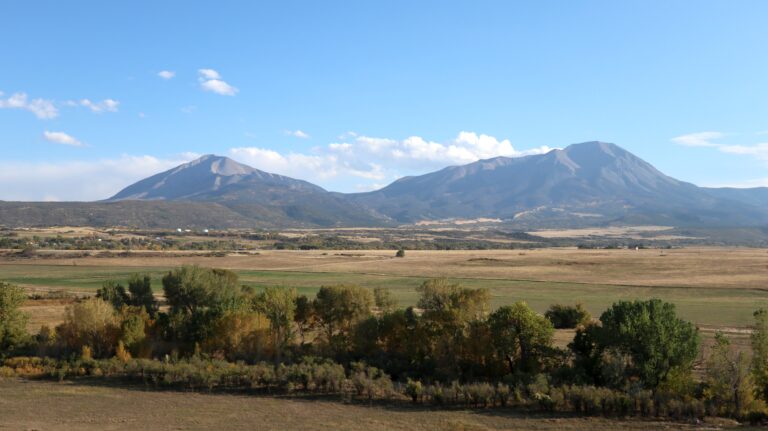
(567, 316)
(480, 394)
(414, 389)
(370, 381)
(502, 394)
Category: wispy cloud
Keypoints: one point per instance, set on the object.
(106, 105)
(700, 139)
(706, 139)
(297, 134)
(166, 74)
(210, 80)
(377, 160)
(62, 139)
(42, 108)
(47, 109)
(758, 150)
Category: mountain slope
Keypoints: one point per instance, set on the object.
(588, 183)
(269, 199)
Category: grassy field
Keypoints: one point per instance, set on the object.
(83, 405)
(711, 286)
(716, 288)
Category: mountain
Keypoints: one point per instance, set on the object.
(210, 178)
(587, 184)
(584, 184)
(755, 196)
(270, 200)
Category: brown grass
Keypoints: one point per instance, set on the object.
(689, 267)
(43, 405)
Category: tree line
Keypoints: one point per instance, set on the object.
(450, 348)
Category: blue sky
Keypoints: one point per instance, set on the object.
(352, 95)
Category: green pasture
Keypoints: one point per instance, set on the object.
(707, 306)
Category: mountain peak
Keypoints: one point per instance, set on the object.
(218, 165)
(596, 147)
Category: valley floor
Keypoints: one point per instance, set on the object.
(713, 287)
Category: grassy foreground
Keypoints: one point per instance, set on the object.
(89, 405)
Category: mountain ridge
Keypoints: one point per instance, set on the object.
(586, 184)
(581, 178)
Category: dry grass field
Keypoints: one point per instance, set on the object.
(714, 287)
(718, 288)
(83, 405)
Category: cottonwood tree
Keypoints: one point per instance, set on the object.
(13, 322)
(279, 306)
(443, 328)
(521, 337)
(114, 293)
(759, 340)
(90, 324)
(338, 308)
(304, 317)
(191, 288)
(140, 289)
(650, 335)
(384, 299)
(728, 377)
(197, 297)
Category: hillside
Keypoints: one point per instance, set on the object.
(139, 214)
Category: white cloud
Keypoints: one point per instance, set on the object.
(166, 74)
(79, 180)
(61, 138)
(219, 87)
(297, 134)
(700, 139)
(210, 80)
(378, 160)
(704, 139)
(415, 151)
(106, 105)
(209, 74)
(47, 109)
(42, 108)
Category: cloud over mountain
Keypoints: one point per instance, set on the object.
(374, 159)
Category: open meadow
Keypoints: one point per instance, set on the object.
(713, 287)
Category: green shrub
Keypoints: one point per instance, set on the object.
(567, 316)
(414, 389)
